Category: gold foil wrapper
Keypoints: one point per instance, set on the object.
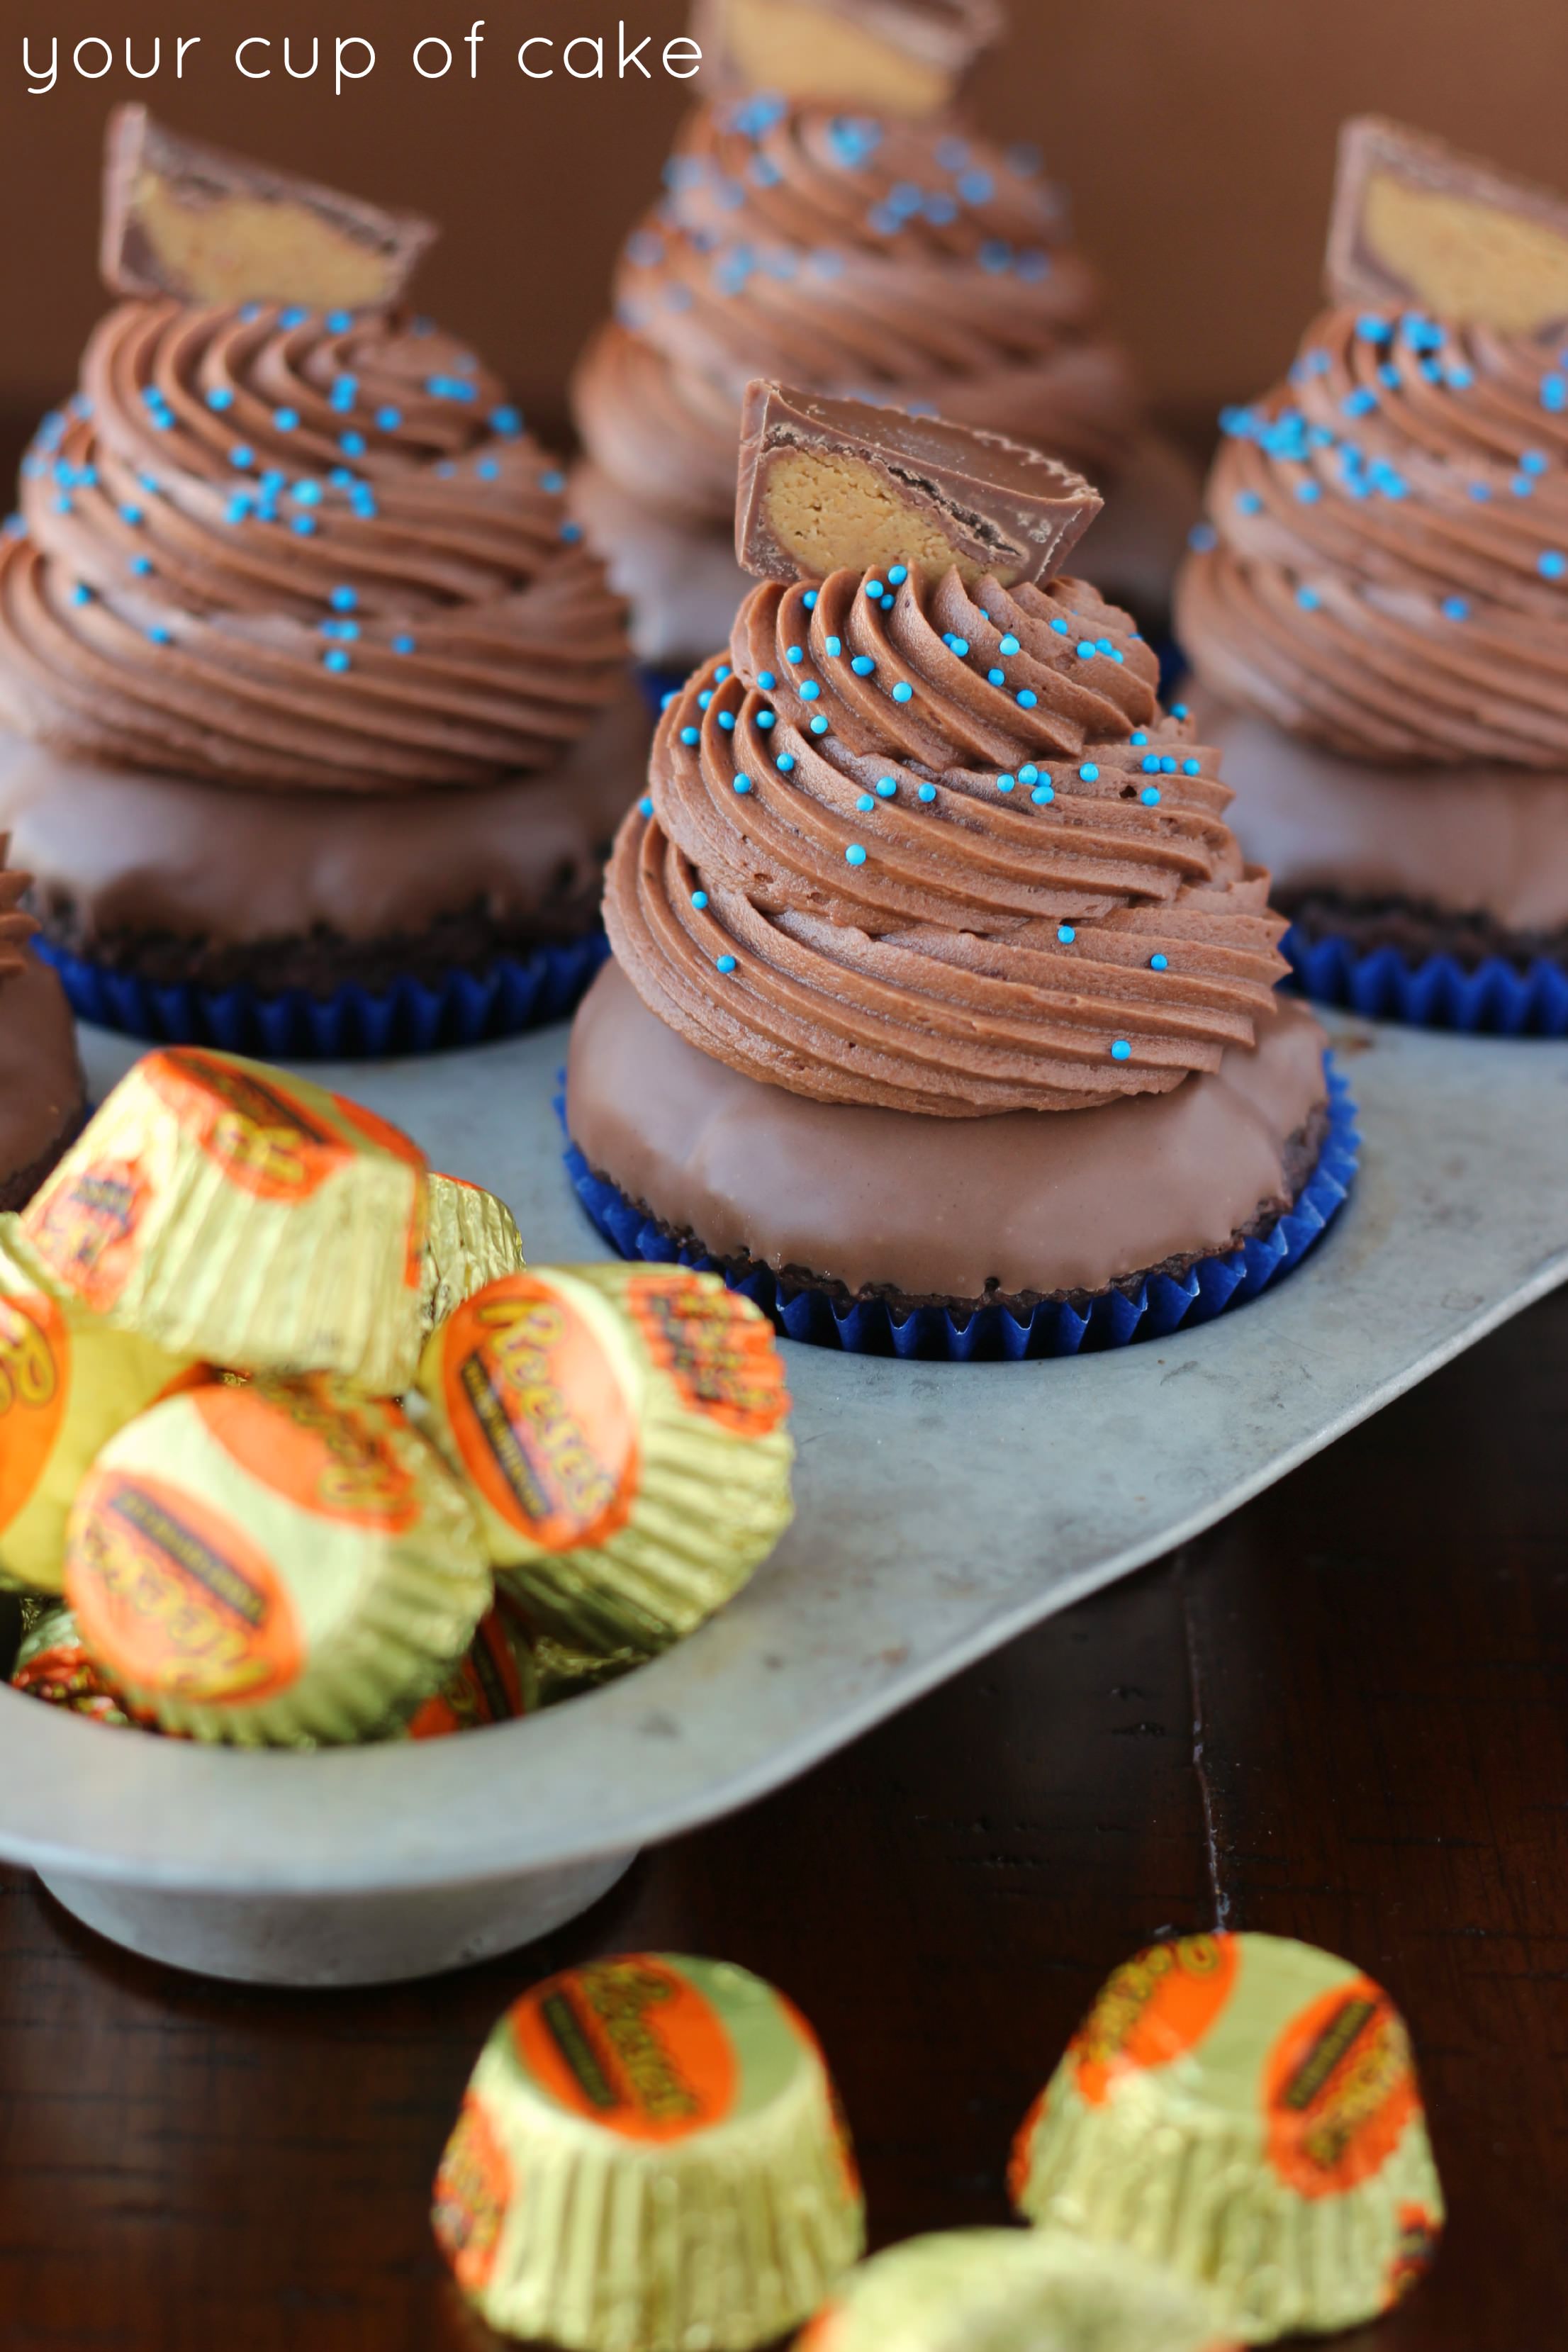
(1244, 2109)
(496, 1682)
(622, 1429)
(276, 1564)
(53, 1665)
(230, 1211)
(68, 1382)
(470, 1238)
(1013, 2291)
(650, 2158)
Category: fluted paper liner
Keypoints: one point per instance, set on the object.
(1012, 2291)
(228, 1210)
(68, 1382)
(1244, 2108)
(649, 2159)
(495, 1681)
(53, 1665)
(275, 1564)
(470, 1238)
(622, 1429)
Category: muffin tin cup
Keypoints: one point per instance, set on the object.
(353, 1023)
(1161, 1305)
(1493, 998)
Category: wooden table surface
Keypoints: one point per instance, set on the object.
(1340, 1717)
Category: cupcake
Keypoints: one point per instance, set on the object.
(1378, 608)
(941, 987)
(830, 215)
(321, 711)
(42, 1101)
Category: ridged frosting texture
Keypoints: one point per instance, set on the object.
(903, 263)
(1384, 567)
(941, 849)
(280, 547)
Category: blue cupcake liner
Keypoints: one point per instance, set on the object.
(353, 1023)
(1493, 998)
(1160, 1305)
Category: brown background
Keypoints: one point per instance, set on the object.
(1197, 137)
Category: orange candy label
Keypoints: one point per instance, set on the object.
(264, 1140)
(723, 1363)
(1339, 2090)
(34, 1383)
(473, 2189)
(176, 1595)
(539, 1415)
(1418, 2235)
(85, 1226)
(485, 1688)
(631, 2045)
(1154, 2007)
(333, 1458)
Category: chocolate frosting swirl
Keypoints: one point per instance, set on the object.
(1386, 570)
(303, 550)
(17, 926)
(905, 263)
(941, 849)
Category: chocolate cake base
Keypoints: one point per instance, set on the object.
(172, 884)
(858, 1206)
(1417, 931)
(43, 1101)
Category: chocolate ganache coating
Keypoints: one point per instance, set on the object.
(307, 549)
(938, 848)
(899, 262)
(1388, 567)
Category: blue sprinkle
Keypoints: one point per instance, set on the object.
(341, 478)
(727, 720)
(1026, 698)
(855, 855)
(295, 317)
(1008, 647)
(1373, 330)
(809, 600)
(691, 735)
(1248, 502)
(219, 398)
(899, 574)
(742, 784)
(342, 600)
(875, 590)
(996, 677)
(1138, 736)
(1551, 565)
(960, 646)
(1361, 402)
(571, 532)
(307, 494)
(335, 658)
(1192, 767)
(903, 691)
(487, 470)
(343, 394)
(1480, 490)
(723, 673)
(809, 690)
(241, 455)
(304, 524)
(1103, 646)
(767, 680)
(834, 648)
(819, 725)
(784, 762)
(928, 792)
(865, 804)
(1151, 764)
(700, 900)
(1062, 627)
(1121, 1051)
(142, 565)
(862, 665)
(389, 419)
(705, 697)
(1029, 774)
(82, 593)
(725, 963)
(796, 654)
(1554, 392)
(1150, 795)
(765, 719)
(1065, 933)
(1086, 650)
(1043, 793)
(1090, 773)
(1167, 766)
(249, 314)
(887, 786)
(1178, 709)
(286, 419)
(1307, 598)
(1308, 493)
(646, 805)
(1522, 486)
(353, 445)
(1533, 461)
(238, 508)
(338, 321)
(159, 635)
(1455, 608)
(1158, 963)
(133, 515)
(554, 482)
(1005, 783)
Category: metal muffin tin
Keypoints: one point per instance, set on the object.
(944, 1509)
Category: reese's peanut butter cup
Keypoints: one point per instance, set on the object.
(650, 2158)
(1245, 2109)
(68, 1382)
(1013, 2291)
(495, 1682)
(470, 1238)
(231, 1211)
(275, 1564)
(53, 1665)
(622, 1429)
